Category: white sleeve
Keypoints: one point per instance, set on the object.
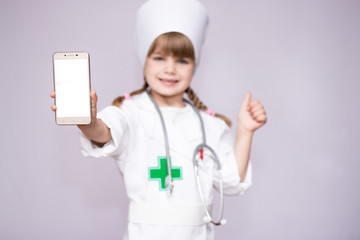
(229, 167)
(116, 121)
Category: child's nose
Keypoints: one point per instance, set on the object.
(170, 66)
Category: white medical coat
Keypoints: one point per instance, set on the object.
(137, 145)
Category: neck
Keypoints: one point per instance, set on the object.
(165, 101)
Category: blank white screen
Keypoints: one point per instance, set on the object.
(72, 87)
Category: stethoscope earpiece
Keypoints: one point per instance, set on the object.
(169, 185)
(223, 221)
(207, 219)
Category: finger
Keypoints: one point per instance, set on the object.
(53, 107)
(257, 113)
(93, 96)
(94, 99)
(255, 103)
(52, 94)
(261, 119)
(256, 108)
(246, 100)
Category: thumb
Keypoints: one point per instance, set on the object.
(93, 96)
(246, 100)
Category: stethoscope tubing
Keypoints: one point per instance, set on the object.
(168, 179)
(202, 146)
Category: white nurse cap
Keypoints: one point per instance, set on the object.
(156, 17)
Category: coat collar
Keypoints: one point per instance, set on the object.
(184, 140)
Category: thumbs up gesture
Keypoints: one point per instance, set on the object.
(251, 114)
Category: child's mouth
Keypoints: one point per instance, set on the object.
(168, 82)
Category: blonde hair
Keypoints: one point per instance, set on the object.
(178, 45)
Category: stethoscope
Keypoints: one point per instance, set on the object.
(199, 151)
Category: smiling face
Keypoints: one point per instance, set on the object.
(169, 68)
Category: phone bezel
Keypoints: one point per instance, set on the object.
(75, 120)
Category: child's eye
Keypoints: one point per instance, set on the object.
(183, 61)
(158, 58)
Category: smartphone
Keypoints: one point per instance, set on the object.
(72, 88)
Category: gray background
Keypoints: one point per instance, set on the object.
(300, 58)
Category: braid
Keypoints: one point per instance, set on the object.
(197, 103)
(118, 101)
(194, 98)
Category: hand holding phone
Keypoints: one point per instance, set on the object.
(94, 98)
(72, 88)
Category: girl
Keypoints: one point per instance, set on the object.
(132, 132)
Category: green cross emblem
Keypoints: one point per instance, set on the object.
(160, 172)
